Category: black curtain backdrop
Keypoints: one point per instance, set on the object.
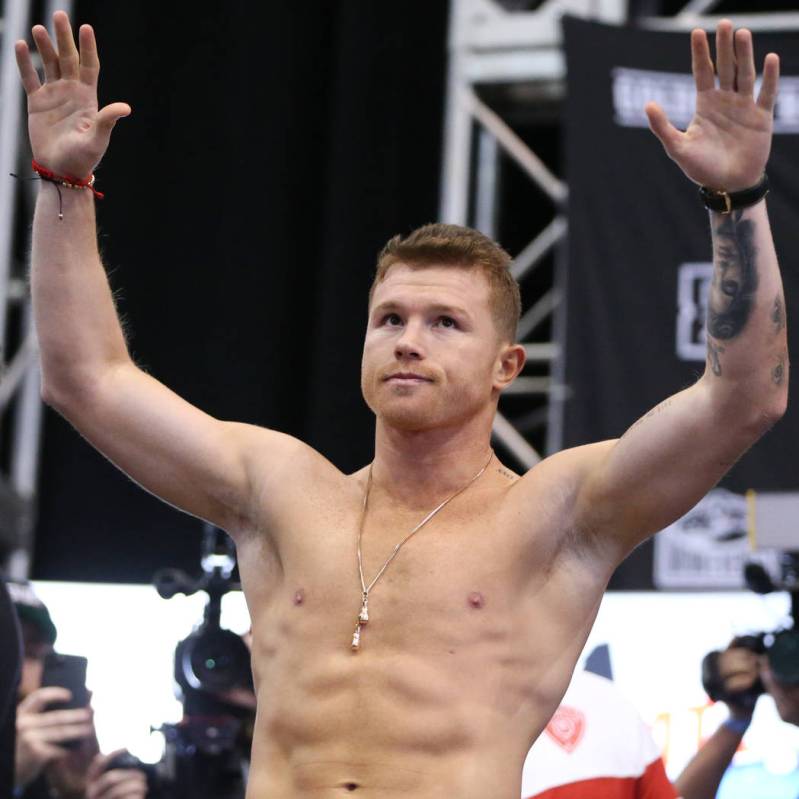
(272, 150)
(635, 222)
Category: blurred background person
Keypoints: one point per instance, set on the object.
(595, 745)
(56, 751)
(10, 660)
(740, 675)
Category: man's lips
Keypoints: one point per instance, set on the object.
(407, 377)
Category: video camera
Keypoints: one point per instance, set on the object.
(207, 752)
(780, 647)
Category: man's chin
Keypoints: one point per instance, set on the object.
(408, 417)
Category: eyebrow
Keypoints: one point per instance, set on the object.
(455, 310)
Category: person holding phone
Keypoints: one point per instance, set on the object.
(10, 663)
(56, 748)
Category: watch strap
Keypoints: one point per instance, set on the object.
(724, 202)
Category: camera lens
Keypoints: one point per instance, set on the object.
(783, 656)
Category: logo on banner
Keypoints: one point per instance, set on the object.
(566, 727)
(675, 92)
(709, 546)
(693, 289)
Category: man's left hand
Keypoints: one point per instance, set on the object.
(727, 144)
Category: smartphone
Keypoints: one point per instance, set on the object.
(66, 671)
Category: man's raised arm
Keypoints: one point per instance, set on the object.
(173, 449)
(665, 463)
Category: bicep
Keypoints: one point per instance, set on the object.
(186, 457)
(662, 466)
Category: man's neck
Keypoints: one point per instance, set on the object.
(418, 468)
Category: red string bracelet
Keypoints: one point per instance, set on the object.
(68, 181)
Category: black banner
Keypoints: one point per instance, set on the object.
(639, 262)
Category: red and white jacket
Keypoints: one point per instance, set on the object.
(596, 746)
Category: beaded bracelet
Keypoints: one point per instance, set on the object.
(68, 181)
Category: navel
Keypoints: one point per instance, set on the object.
(476, 599)
(299, 596)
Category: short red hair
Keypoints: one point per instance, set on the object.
(462, 248)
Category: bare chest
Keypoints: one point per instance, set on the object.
(462, 577)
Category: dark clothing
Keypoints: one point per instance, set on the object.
(10, 666)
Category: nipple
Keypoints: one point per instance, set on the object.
(476, 599)
(299, 597)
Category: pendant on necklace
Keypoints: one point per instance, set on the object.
(363, 618)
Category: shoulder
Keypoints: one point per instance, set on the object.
(285, 476)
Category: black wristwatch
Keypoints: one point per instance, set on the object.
(723, 202)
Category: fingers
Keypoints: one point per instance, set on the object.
(39, 699)
(57, 718)
(771, 77)
(28, 73)
(56, 726)
(735, 64)
(118, 784)
(701, 62)
(99, 763)
(68, 61)
(668, 135)
(52, 70)
(725, 55)
(89, 60)
(745, 62)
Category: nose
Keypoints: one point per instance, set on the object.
(408, 345)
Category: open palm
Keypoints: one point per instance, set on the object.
(68, 133)
(727, 144)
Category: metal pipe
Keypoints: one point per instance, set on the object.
(485, 219)
(517, 149)
(531, 255)
(516, 444)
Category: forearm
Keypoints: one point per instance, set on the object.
(700, 779)
(76, 321)
(747, 343)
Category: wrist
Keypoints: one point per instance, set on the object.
(737, 724)
(724, 201)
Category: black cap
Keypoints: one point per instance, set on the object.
(31, 609)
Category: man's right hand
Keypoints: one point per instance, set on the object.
(68, 134)
(739, 670)
(40, 731)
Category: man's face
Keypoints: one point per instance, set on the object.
(35, 649)
(431, 350)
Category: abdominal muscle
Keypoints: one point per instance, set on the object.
(437, 705)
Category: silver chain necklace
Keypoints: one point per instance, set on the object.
(363, 616)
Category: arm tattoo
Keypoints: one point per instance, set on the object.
(778, 372)
(654, 412)
(713, 352)
(777, 314)
(735, 281)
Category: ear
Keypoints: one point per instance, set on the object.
(509, 363)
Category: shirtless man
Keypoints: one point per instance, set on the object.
(475, 627)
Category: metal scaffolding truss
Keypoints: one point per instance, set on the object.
(20, 403)
(488, 46)
(491, 46)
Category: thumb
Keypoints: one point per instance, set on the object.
(659, 124)
(107, 117)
